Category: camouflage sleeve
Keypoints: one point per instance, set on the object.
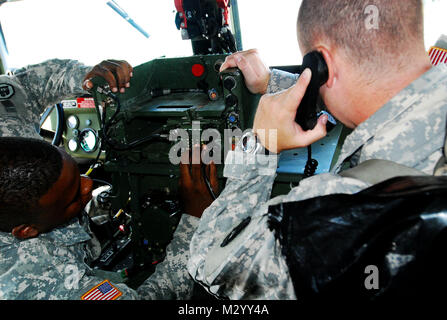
(51, 81)
(52, 267)
(280, 80)
(250, 265)
(88, 283)
(248, 187)
(171, 280)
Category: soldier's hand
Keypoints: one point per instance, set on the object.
(194, 193)
(117, 73)
(256, 73)
(277, 112)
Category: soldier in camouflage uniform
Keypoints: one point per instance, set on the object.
(30, 90)
(405, 122)
(25, 94)
(54, 264)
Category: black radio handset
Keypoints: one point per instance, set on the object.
(306, 115)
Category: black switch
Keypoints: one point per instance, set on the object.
(229, 83)
(231, 100)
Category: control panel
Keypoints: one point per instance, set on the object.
(171, 102)
(81, 128)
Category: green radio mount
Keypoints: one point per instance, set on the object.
(134, 129)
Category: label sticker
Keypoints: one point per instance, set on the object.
(69, 104)
(86, 102)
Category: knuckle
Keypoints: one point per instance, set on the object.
(254, 50)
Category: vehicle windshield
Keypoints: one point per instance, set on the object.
(91, 31)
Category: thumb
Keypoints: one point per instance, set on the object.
(296, 92)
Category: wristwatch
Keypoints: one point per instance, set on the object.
(249, 143)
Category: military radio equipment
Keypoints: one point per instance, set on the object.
(172, 105)
(135, 133)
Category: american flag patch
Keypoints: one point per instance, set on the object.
(103, 291)
(437, 55)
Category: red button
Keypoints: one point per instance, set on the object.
(198, 70)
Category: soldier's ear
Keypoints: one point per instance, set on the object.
(25, 231)
(332, 72)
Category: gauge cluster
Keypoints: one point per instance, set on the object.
(81, 130)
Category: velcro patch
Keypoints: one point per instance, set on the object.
(103, 291)
(437, 55)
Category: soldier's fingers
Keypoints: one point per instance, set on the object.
(228, 63)
(102, 72)
(213, 177)
(185, 156)
(185, 169)
(246, 68)
(196, 163)
(185, 176)
(121, 72)
(125, 66)
(207, 171)
(127, 69)
(306, 138)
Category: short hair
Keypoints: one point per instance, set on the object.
(28, 169)
(344, 23)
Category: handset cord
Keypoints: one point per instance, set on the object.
(207, 182)
(311, 164)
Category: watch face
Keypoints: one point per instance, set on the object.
(249, 143)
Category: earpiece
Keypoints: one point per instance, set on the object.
(306, 115)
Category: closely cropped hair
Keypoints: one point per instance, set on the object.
(347, 24)
(28, 169)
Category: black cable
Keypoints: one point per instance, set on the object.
(158, 92)
(120, 146)
(117, 110)
(92, 166)
(133, 144)
(208, 184)
(311, 164)
(102, 181)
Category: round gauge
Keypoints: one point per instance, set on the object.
(73, 145)
(88, 140)
(72, 122)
